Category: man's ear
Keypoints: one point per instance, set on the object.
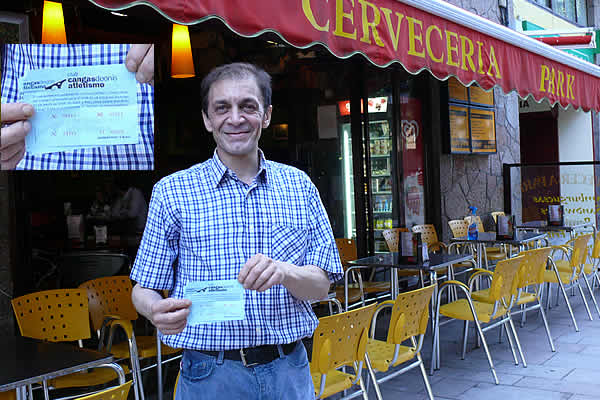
(267, 117)
(207, 123)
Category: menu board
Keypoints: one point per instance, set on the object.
(483, 133)
(471, 119)
(479, 96)
(459, 129)
(456, 90)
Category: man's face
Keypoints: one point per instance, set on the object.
(236, 116)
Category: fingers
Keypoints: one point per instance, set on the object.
(14, 133)
(170, 305)
(11, 112)
(170, 315)
(8, 152)
(261, 273)
(140, 60)
(12, 162)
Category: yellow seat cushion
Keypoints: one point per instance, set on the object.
(550, 276)
(146, 348)
(500, 255)
(460, 309)
(527, 298)
(381, 354)
(563, 265)
(482, 296)
(336, 382)
(91, 377)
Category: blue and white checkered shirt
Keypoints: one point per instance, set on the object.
(212, 223)
(20, 58)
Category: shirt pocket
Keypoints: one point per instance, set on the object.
(289, 244)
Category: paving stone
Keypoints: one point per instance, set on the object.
(489, 391)
(562, 385)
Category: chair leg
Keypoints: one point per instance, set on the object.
(564, 293)
(546, 326)
(514, 331)
(435, 350)
(136, 372)
(510, 342)
(487, 351)
(425, 379)
(465, 338)
(373, 378)
(523, 315)
(585, 303)
(587, 283)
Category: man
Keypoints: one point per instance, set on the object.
(19, 58)
(238, 216)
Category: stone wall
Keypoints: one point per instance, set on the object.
(476, 180)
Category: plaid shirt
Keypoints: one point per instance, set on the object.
(212, 223)
(20, 58)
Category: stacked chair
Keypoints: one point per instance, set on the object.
(494, 312)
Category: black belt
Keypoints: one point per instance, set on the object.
(254, 355)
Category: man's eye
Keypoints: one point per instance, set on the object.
(220, 109)
(250, 107)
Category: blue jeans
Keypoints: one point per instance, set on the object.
(207, 377)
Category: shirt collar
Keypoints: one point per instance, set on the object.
(219, 170)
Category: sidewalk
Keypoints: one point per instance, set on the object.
(571, 373)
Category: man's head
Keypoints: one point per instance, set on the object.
(236, 106)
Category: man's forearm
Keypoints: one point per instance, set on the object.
(306, 283)
(143, 299)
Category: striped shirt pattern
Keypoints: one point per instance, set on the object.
(20, 58)
(207, 223)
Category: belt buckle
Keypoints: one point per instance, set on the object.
(244, 362)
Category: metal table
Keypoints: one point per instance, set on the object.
(542, 226)
(520, 240)
(26, 361)
(394, 260)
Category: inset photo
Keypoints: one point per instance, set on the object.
(77, 107)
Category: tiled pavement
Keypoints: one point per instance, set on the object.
(571, 373)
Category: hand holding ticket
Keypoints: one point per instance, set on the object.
(80, 107)
(215, 301)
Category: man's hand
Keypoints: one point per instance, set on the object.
(15, 127)
(261, 273)
(140, 60)
(170, 315)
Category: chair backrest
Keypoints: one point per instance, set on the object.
(347, 249)
(480, 227)
(534, 265)
(410, 315)
(79, 267)
(459, 227)
(596, 249)
(109, 296)
(428, 235)
(580, 251)
(341, 339)
(392, 237)
(495, 215)
(58, 315)
(506, 278)
(115, 393)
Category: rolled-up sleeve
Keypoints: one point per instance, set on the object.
(153, 266)
(322, 250)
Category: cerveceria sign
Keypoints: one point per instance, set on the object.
(408, 32)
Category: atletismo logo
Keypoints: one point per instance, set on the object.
(57, 85)
(211, 289)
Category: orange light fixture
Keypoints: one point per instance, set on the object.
(182, 63)
(53, 24)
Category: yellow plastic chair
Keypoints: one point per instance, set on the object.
(530, 285)
(116, 393)
(567, 273)
(392, 239)
(495, 215)
(60, 315)
(494, 312)
(110, 308)
(429, 236)
(410, 316)
(492, 253)
(340, 340)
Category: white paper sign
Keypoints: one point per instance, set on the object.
(215, 301)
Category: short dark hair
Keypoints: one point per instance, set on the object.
(237, 71)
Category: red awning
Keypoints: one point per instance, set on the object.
(423, 34)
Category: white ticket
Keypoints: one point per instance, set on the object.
(215, 301)
(77, 107)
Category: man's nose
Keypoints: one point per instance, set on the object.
(236, 116)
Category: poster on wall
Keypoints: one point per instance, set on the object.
(479, 96)
(483, 132)
(456, 90)
(459, 129)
